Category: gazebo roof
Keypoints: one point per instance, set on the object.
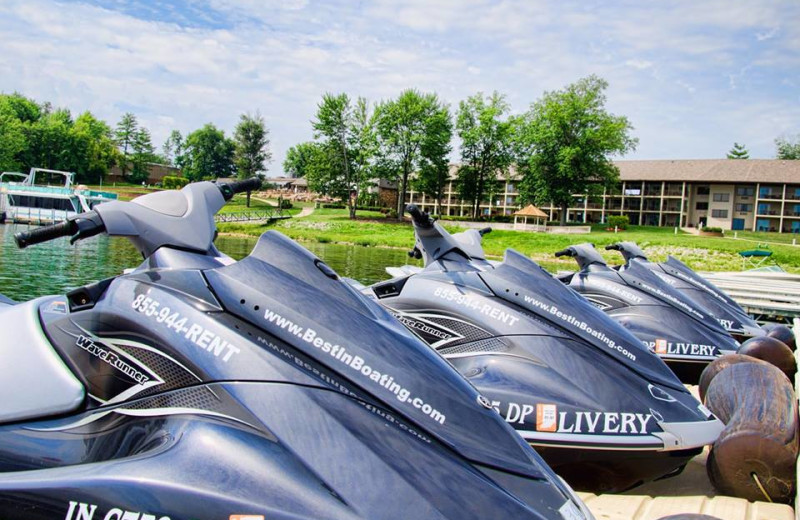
(530, 211)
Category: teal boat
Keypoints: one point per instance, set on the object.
(22, 200)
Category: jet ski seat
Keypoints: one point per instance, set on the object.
(34, 381)
(5, 300)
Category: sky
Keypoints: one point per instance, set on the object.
(692, 76)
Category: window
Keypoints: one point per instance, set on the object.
(719, 213)
(633, 191)
(703, 190)
(701, 205)
(745, 191)
(765, 192)
(744, 207)
(722, 197)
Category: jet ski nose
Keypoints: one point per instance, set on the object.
(687, 435)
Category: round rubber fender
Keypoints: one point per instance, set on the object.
(754, 456)
(717, 366)
(784, 334)
(773, 351)
(689, 516)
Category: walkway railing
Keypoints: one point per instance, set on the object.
(267, 215)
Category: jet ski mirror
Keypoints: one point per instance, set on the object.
(585, 254)
(629, 250)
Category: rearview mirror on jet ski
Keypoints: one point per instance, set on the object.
(603, 411)
(672, 325)
(195, 386)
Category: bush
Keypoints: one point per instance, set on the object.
(172, 182)
(618, 221)
(711, 230)
(286, 204)
(333, 206)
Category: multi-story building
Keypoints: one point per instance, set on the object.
(750, 194)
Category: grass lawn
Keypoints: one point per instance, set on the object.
(373, 229)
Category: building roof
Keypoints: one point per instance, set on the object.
(711, 170)
(301, 181)
(530, 211)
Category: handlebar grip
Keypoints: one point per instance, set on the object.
(613, 247)
(43, 234)
(563, 252)
(232, 188)
(485, 231)
(421, 219)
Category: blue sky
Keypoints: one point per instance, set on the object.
(692, 76)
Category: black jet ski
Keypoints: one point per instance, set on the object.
(672, 325)
(708, 297)
(602, 410)
(195, 387)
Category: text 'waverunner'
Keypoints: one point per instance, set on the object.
(603, 411)
(199, 387)
(671, 324)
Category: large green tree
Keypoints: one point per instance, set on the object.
(172, 149)
(485, 132)
(251, 152)
(402, 126)
(125, 135)
(323, 170)
(298, 158)
(787, 148)
(738, 152)
(565, 141)
(208, 154)
(347, 134)
(93, 148)
(143, 153)
(434, 167)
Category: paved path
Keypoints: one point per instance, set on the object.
(308, 210)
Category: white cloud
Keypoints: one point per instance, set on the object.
(280, 57)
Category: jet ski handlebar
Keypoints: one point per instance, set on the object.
(613, 247)
(80, 226)
(420, 218)
(230, 189)
(89, 224)
(565, 252)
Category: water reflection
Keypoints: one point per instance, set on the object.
(56, 266)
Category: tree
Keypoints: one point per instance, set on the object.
(323, 170)
(124, 136)
(564, 142)
(348, 138)
(402, 125)
(298, 159)
(434, 168)
(738, 152)
(208, 153)
(143, 153)
(485, 146)
(93, 148)
(788, 150)
(172, 150)
(251, 153)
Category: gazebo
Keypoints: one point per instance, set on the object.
(530, 211)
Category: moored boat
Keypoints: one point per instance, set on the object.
(27, 202)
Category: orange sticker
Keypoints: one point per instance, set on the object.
(546, 417)
(661, 346)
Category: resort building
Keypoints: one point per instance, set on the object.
(734, 194)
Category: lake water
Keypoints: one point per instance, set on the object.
(56, 266)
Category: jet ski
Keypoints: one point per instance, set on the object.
(602, 410)
(679, 276)
(672, 325)
(199, 387)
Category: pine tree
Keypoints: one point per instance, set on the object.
(738, 152)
